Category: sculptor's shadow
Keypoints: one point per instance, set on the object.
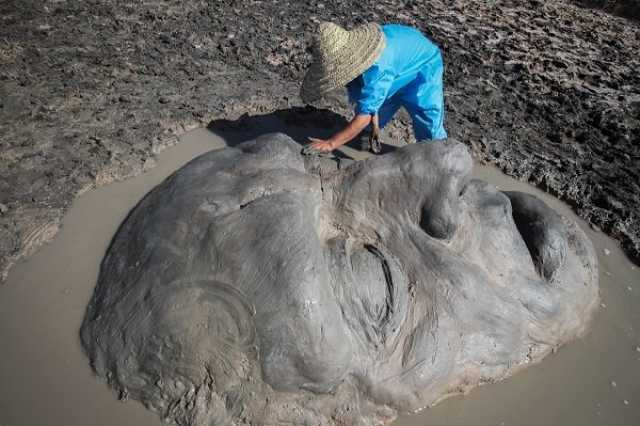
(299, 123)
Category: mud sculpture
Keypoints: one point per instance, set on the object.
(259, 286)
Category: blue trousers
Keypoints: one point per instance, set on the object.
(423, 99)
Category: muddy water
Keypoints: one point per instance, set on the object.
(45, 379)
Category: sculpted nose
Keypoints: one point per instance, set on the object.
(441, 219)
(440, 214)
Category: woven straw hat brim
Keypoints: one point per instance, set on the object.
(362, 47)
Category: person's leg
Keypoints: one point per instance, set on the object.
(388, 110)
(385, 114)
(424, 100)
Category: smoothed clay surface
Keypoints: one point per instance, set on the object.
(259, 286)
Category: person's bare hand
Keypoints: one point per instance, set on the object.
(321, 145)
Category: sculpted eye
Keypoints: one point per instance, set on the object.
(378, 292)
(371, 289)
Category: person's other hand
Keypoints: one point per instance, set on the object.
(321, 145)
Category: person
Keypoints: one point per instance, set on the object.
(384, 68)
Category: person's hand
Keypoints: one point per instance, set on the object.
(321, 145)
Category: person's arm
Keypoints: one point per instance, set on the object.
(352, 130)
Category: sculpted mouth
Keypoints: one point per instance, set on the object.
(542, 230)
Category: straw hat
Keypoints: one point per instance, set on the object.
(340, 56)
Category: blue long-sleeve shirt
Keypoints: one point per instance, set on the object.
(406, 54)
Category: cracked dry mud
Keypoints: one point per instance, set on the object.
(259, 286)
(90, 90)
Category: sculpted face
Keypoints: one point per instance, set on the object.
(256, 284)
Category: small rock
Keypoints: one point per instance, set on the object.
(164, 100)
(626, 402)
(629, 288)
(613, 384)
(607, 252)
(3, 208)
(148, 164)
(123, 395)
(603, 306)
(607, 273)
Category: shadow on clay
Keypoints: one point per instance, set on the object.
(299, 123)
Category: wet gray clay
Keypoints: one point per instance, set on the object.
(259, 286)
